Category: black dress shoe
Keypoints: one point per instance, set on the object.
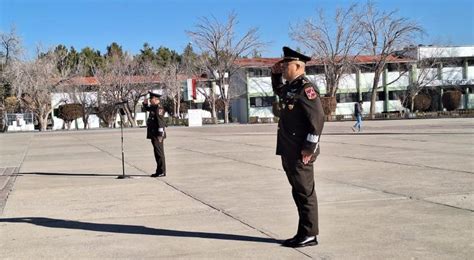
(289, 242)
(305, 241)
(158, 175)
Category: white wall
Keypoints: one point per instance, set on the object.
(260, 86)
(470, 72)
(445, 52)
(452, 73)
(401, 83)
(261, 112)
(141, 116)
(347, 83)
(366, 81)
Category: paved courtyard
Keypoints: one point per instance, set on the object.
(398, 190)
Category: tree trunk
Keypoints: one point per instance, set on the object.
(178, 105)
(43, 121)
(373, 98)
(213, 111)
(175, 108)
(85, 121)
(226, 112)
(129, 117)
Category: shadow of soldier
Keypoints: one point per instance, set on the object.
(131, 229)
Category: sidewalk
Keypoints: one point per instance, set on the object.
(401, 189)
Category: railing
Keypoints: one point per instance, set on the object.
(19, 118)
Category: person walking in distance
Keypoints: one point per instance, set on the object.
(299, 129)
(156, 131)
(358, 115)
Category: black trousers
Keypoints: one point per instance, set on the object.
(301, 178)
(159, 151)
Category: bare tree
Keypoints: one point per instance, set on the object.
(115, 80)
(145, 76)
(220, 48)
(335, 43)
(385, 33)
(37, 79)
(10, 47)
(171, 77)
(10, 51)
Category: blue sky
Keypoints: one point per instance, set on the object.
(130, 23)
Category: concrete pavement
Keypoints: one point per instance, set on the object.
(400, 189)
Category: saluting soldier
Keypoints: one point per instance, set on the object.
(156, 131)
(299, 130)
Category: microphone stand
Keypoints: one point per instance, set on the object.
(121, 112)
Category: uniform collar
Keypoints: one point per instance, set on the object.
(296, 79)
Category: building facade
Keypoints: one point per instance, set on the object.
(450, 67)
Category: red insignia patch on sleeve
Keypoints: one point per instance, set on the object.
(310, 93)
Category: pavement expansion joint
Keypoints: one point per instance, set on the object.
(404, 164)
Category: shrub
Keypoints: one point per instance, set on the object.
(422, 102)
(70, 112)
(451, 99)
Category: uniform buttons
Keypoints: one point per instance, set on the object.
(293, 134)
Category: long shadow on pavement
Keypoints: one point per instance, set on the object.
(79, 174)
(131, 229)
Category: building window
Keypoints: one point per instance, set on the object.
(397, 67)
(259, 72)
(262, 101)
(366, 68)
(380, 95)
(396, 94)
(347, 97)
(453, 63)
(367, 95)
(314, 70)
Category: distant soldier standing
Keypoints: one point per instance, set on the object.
(299, 129)
(156, 131)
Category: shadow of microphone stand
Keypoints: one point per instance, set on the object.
(122, 113)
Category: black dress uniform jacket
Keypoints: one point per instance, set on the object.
(301, 117)
(156, 122)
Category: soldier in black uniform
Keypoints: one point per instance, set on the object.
(299, 129)
(156, 131)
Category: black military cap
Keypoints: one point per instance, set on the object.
(154, 93)
(291, 55)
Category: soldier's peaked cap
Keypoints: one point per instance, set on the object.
(154, 93)
(291, 55)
